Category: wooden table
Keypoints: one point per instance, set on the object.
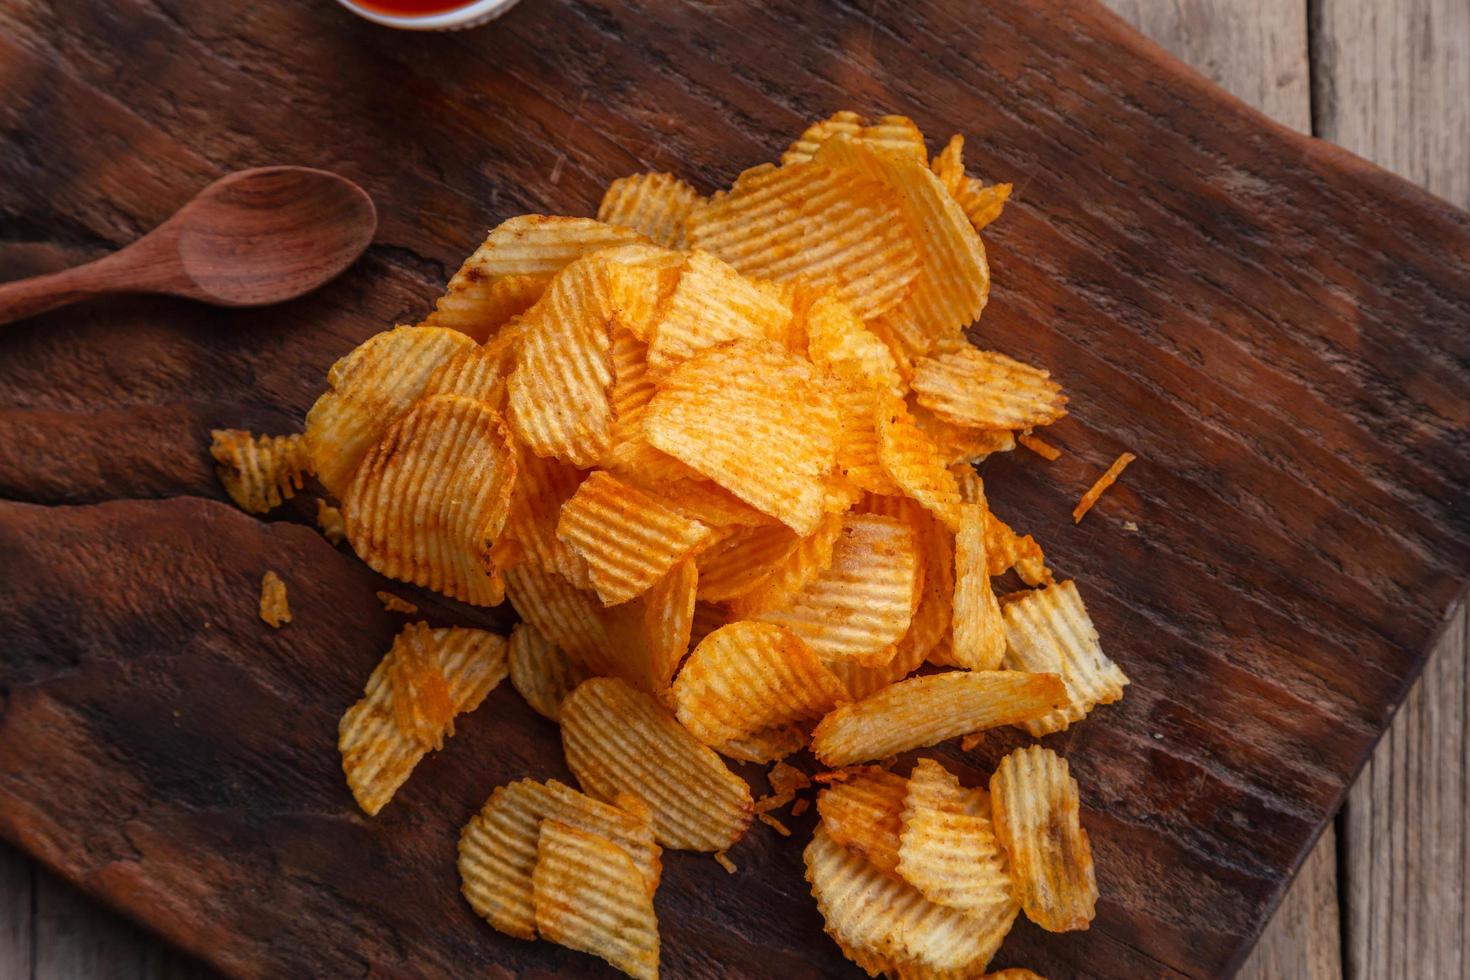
(1384, 893)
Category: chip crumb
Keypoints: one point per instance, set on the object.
(329, 519)
(724, 861)
(393, 603)
(968, 743)
(1130, 526)
(774, 824)
(800, 806)
(832, 776)
(273, 607)
(1039, 446)
(1103, 482)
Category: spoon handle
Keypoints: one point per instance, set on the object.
(27, 297)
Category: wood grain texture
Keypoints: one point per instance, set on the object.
(16, 897)
(1303, 940)
(1318, 554)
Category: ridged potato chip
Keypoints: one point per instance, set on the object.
(863, 372)
(540, 672)
(430, 497)
(631, 455)
(275, 611)
(927, 710)
(477, 372)
(958, 444)
(497, 847)
(747, 677)
(864, 602)
(981, 202)
(936, 545)
(844, 122)
(1038, 820)
(478, 305)
(1049, 630)
(913, 462)
(947, 847)
(743, 559)
(987, 390)
(787, 576)
(949, 164)
(587, 895)
(368, 390)
(569, 617)
(629, 538)
(654, 204)
(542, 486)
(648, 636)
(832, 226)
(724, 409)
(979, 635)
(709, 503)
(259, 472)
(864, 814)
(409, 704)
(538, 245)
(767, 745)
(711, 304)
(893, 134)
(620, 740)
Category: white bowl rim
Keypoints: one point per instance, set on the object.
(458, 17)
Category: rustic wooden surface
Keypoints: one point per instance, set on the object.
(81, 219)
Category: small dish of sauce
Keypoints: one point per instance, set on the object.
(429, 15)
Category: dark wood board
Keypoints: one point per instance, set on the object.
(1279, 330)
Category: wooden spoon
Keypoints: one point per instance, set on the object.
(250, 238)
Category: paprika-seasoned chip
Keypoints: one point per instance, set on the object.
(587, 895)
(949, 164)
(958, 444)
(1049, 630)
(274, 609)
(844, 121)
(1004, 549)
(979, 636)
(913, 462)
(894, 134)
(569, 617)
(429, 499)
(832, 226)
(478, 305)
(789, 575)
(497, 847)
(629, 538)
(654, 204)
(396, 604)
(477, 372)
(542, 486)
(540, 672)
(987, 390)
(329, 519)
(947, 847)
(981, 202)
(618, 739)
(368, 390)
(743, 559)
(863, 603)
(259, 472)
(1103, 482)
(927, 710)
(864, 814)
(631, 456)
(747, 677)
(539, 245)
(648, 636)
(898, 135)
(409, 704)
(1015, 973)
(766, 745)
(712, 303)
(723, 410)
(863, 372)
(1037, 812)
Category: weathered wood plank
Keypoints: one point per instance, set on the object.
(1304, 939)
(15, 914)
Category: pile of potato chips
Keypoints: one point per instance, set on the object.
(718, 452)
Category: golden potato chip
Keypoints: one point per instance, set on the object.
(329, 519)
(649, 635)
(936, 544)
(958, 444)
(429, 499)
(497, 847)
(1103, 482)
(1004, 549)
(1037, 812)
(542, 486)
(538, 245)
(723, 410)
(786, 781)
(767, 745)
(711, 304)
(478, 372)
(409, 704)
(743, 559)
(628, 538)
(891, 924)
(982, 203)
(787, 576)
(1049, 630)
(654, 204)
(913, 462)
(368, 390)
(927, 710)
(747, 677)
(588, 896)
(259, 472)
(274, 609)
(845, 122)
(979, 636)
(709, 503)
(894, 134)
(540, 672)
(949, 165)
(966, 386)
(570, 618)
(864, 814)
(478, 305)
(618, 739)
(395, 604)
(832, 226)
(947, 847)
(897, 135)
(630, 454)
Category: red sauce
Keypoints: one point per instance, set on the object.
(413, 8)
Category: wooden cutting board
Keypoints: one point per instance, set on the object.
(1280, 331)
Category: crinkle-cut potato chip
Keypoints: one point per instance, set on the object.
(767, 745)
(890, 923)
(1038, 820)
(629, 539)
(979, 635)
(540, 672)
(844, 121)
(864, 602)
(863, 372)
(725, 409)
(958, 444)
(274, 610)
(832, 226)
(1004, 549)
(747, 677)
(893, 134)
(409, 704)
(430, 497)
(539, 245)
(937, 546)
(587, 895)
(711, 304)
(861, 681)
(478, 373)
(788, 576)
(630, 454)
(1049, 630)
(927, 710)
(981, 202)
(478, 305)
(620, 740)
(649, 635)
(396, 604)
(1015, 973)
(898, 135)
(949, 164)
(953, 283)
(743, 559)
(329, 519)
(864, 814)
(542, 486)
(497, 847)
(709, 503)
(987, 390)
(259, 472)
(654, 204)
(369, 389)
(911, 459)
(569, 617)
(947, 847)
